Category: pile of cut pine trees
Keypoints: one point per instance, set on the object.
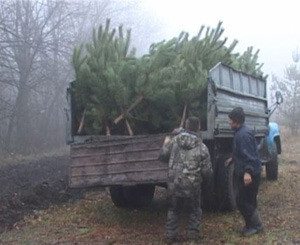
(117, 93)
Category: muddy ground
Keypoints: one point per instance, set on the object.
(28, 186)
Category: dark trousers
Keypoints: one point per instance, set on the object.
(176, 207)
(246, 200)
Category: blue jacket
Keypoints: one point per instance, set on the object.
(245, 153)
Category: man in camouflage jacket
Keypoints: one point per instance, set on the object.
(189, 163)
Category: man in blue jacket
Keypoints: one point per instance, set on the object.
(247, 168)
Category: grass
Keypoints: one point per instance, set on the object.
(95, 220)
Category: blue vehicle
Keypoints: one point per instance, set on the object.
(272, 146)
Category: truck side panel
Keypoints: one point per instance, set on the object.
(235, 89)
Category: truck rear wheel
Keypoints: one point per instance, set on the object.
(117, 196)
(226, 186)
(208, 195)
(272, 165)
(139, 196)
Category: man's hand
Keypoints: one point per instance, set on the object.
(167, 140)
(228, 162)
(247, 179)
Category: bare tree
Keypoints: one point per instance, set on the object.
(290, 89)
(27, 30)
(36, 42)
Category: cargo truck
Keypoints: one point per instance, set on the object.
(129, 165)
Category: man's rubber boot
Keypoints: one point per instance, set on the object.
(256, 225)
(242, 229)
(250, 232)
(256, 221)
(193, 238)
(171, 240)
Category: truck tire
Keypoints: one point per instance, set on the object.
(139, 196)
(272, 165)
(226, 186)
(208, 197)
(117, 196)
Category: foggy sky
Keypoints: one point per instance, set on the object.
(271, 26)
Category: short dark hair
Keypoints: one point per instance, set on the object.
(192, 124)
(237, 115)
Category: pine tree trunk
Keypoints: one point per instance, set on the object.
(129, 129)
(135, 103)
(107, 130)
(81, 124)
(183, 115)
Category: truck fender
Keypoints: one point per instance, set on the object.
(273, 138)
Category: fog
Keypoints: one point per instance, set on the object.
(272, 27)
(37, 39)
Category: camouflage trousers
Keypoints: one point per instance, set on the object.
(177, 206)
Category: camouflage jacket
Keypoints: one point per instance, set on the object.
(189, 162)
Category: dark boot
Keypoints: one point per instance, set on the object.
(247, 219)
(172, 240)
(256, 221)
(242, 229)
(250, 231)
(255, 225)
